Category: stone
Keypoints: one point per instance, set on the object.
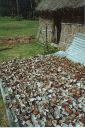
(59, 69)
(50, 90)
(79, 105)
(69, 110)
(44, 113)
(74, 104)
(65, 113)
(77, 113)
(81, 124)
(10, 90)
(83, 108)
(33, 117)
(49, 96)
(38, 98)
(78, 84)
(29, 124)
(64, 125)
(16, 120)
(70, 125)
(54, 122)
(42, 123)
(23, 123)
(44, 91)
(57, 113)
(17, 96)
(32, 99)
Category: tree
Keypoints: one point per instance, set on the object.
(17, 4)
(24, 8)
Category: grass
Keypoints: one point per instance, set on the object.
(10, 27)
(21, 50)
(25, 50)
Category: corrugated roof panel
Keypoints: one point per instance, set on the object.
(76, 51)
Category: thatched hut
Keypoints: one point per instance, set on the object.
(62, 19)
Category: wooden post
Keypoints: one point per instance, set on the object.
(46, 37)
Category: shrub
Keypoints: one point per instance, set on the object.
(19, 18)
(50, 49)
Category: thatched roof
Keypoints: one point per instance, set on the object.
(54, 5)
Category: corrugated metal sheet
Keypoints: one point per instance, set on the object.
(76, 51)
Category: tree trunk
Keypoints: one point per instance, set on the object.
(17, 3)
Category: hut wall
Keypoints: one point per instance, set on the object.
(42, 30)
(67, 33)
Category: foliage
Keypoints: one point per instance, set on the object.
(19, 18)
(50, 49)
(22, 8)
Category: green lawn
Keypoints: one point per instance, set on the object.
(21, 50)
(10, 27)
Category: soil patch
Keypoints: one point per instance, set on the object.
(19, 40)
